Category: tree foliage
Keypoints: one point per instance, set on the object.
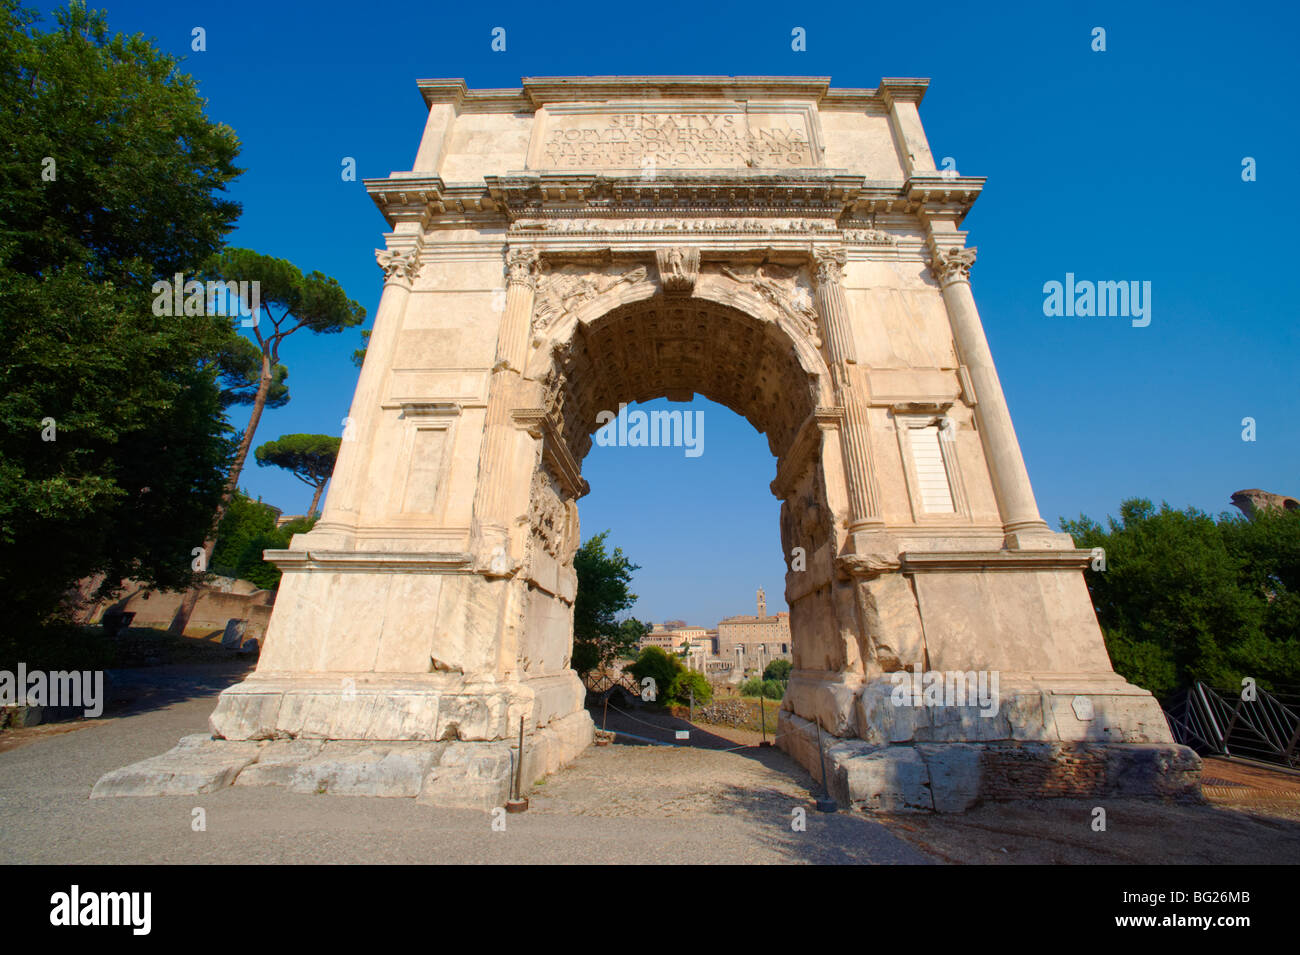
(604, 579)
(770, 688)
(778, 670)
(289, 300)
(112, 441)
(308, 457)
(1184, 597)
(673, 682)
(239, 371)
(247, 529)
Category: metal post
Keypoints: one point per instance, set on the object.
(762, 715)
(824, 803)
(519, 803)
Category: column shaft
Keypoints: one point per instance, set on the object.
(850, 393)
(1015, 495)
(492, 496)
(342, 506)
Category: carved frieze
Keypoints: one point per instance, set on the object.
(592, 226)
(864, 232)
(868, 237)
(547, 515)
(552, 517)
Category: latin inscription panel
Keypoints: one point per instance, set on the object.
(652, 136)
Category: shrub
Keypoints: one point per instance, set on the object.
(687, 680)
(673, 681)
(754, 686)
(654, 663)
(778, 670)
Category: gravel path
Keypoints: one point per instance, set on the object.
(618, 803)
(628, 802)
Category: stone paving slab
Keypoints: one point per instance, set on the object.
(193, 766)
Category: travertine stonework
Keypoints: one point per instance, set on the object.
(781, 247)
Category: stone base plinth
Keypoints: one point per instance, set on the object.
(1062, 735)
(955, 776)
(436, 707)
(451, 772)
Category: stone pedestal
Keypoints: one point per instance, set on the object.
(1051, 737)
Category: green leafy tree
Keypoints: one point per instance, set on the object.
(308, 457)
(673, 682)
(248, 529)
(1185, 598)
(112, 441)
(604, 581)
(656, 664)
(778, 670)
(359, 356)
(689, 685)
(239, 369)
(289, 301)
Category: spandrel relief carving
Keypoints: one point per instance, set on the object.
(560, 290)
(780, 287)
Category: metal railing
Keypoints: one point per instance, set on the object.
(1265, 728)
(604, 681)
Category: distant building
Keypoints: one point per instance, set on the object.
(673, 635)
(740, 645)
(750, 642)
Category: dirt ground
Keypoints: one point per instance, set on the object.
(711, 796)
(1251, 815)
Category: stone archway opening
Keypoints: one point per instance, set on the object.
(676, 348)
(740, 333)
(665, 348)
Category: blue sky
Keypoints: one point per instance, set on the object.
(1117, 165)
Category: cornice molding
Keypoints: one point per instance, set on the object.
(811, 194)
(897, 89)
(536, 92)
(971, 561)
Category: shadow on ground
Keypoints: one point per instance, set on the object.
(140, 690)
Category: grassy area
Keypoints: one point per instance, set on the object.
(72, 647)
(741, 712)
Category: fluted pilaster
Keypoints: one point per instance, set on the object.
(833, 308)
(495, 485)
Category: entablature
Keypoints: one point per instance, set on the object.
(529, 200)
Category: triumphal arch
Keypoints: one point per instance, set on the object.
(779, 246)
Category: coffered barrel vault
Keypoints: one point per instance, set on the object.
(779, 246)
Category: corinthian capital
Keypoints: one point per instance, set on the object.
(951, 265)
(521, 267)
(829, 265)
(400, 265)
